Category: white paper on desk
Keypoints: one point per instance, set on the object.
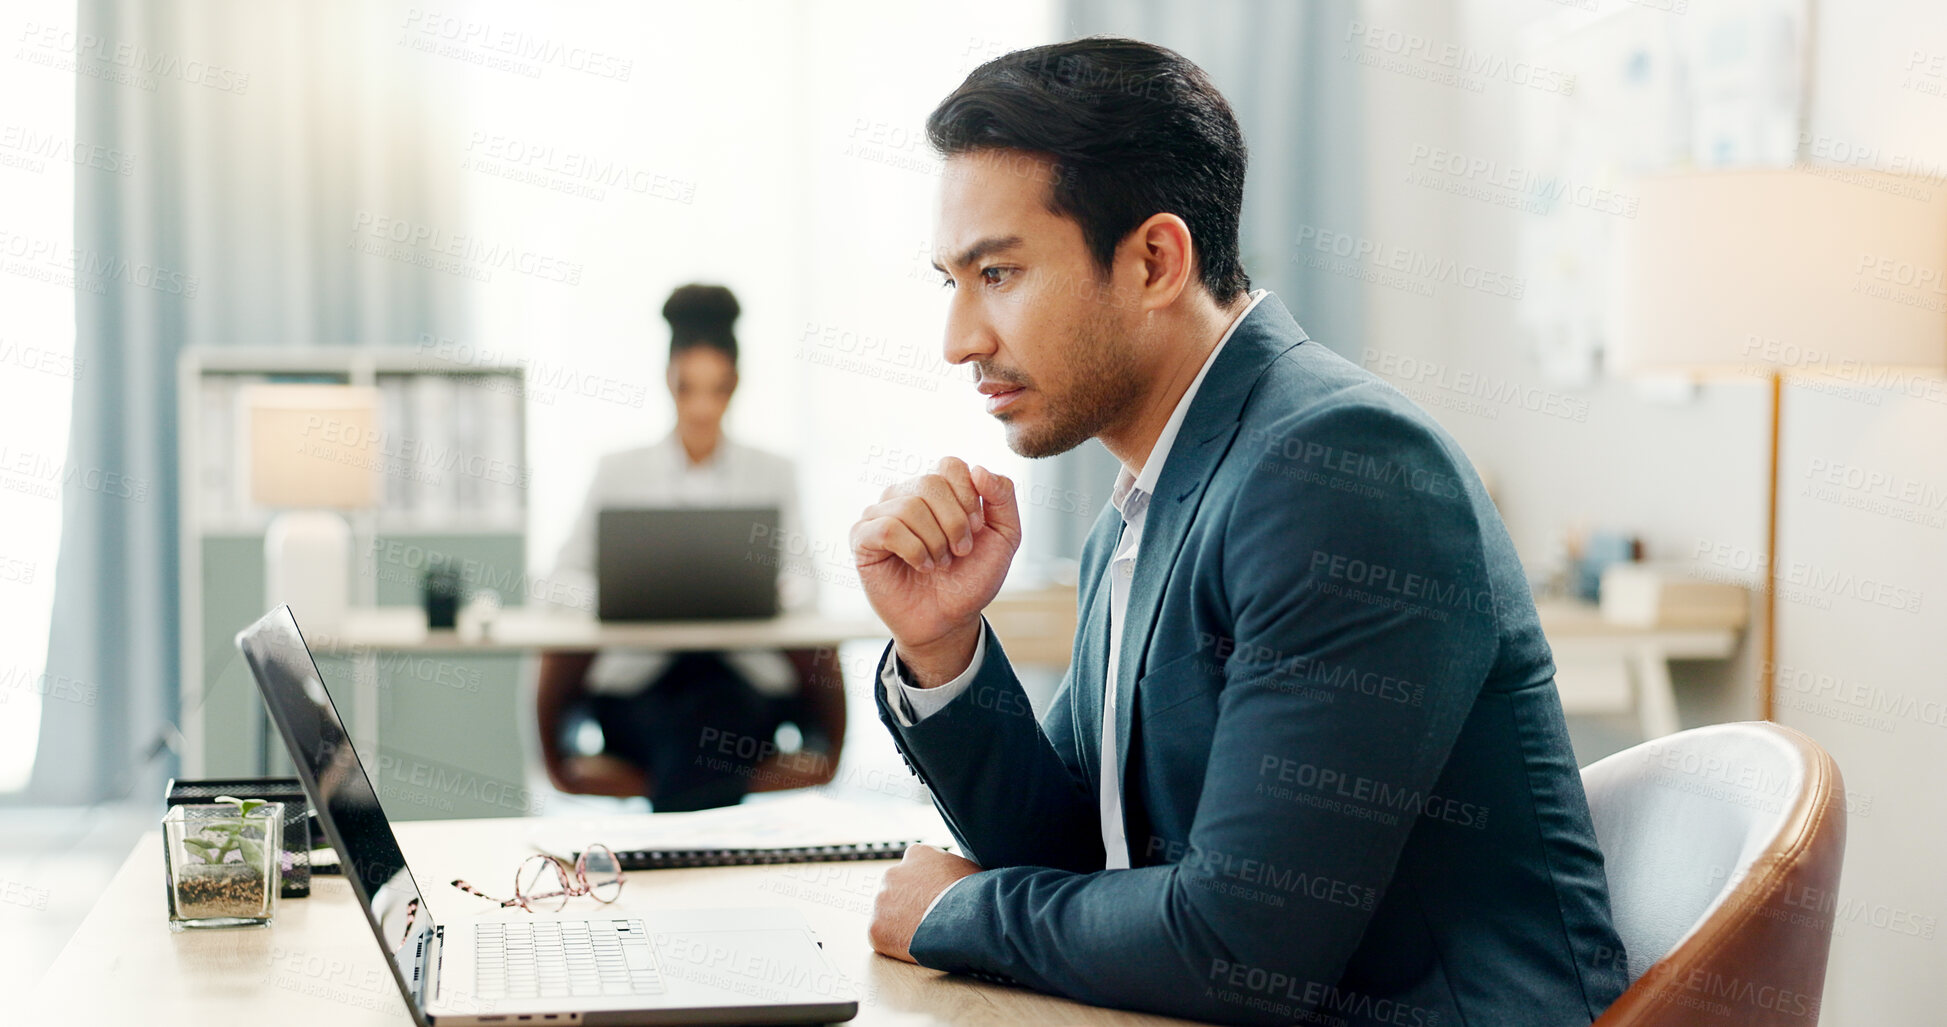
(795, 822)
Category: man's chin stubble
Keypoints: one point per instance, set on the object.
(1051, 441)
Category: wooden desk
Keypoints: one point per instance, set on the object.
(318, 963)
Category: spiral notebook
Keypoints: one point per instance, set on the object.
(806, 828)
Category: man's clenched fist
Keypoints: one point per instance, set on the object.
(931, 554)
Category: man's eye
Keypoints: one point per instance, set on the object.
(946, 281)
(995, 275)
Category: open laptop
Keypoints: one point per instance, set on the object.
(588, 964)
(687, 563)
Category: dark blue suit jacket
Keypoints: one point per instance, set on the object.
(1348, 789)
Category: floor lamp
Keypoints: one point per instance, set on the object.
(1765, 274)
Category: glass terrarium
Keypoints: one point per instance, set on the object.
(223, 863)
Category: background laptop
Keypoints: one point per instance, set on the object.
(596, 965)
(687, 563)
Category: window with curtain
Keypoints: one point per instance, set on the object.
(40, 156)
(500, 182)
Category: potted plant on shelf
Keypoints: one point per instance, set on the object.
(223, 864)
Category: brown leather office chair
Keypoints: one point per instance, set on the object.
(1723, 846)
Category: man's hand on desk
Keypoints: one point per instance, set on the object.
(931, 554)
(907, 891)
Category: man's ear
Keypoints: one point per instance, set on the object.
(1167, 257)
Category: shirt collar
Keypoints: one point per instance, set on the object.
(680, 458)
(1145, 483)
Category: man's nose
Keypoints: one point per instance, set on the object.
(968, 336)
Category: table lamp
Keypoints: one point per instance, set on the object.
(313, 454)
(1761, 274)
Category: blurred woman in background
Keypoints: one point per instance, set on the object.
(663, 717)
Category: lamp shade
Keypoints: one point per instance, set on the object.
(313, 446)
(1823, 271)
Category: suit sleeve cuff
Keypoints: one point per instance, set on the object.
(936, 901)
(912, 705)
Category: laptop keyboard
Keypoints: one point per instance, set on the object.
(564, 959)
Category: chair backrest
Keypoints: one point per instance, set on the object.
(1723, 846)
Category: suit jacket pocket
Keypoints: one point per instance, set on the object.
(1194, 675)
(1178, 703)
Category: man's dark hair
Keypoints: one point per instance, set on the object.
(702, 315)
(1133, 129)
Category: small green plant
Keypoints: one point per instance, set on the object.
(214, 842)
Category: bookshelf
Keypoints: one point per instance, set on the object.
(452, 452)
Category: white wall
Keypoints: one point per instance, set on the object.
(1893, 663)
(1678, 474)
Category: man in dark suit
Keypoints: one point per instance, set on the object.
(1308, 762)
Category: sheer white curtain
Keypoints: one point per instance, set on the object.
(39, 160)
(260, 139)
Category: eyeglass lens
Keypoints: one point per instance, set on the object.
(602, 872)
(540, 884)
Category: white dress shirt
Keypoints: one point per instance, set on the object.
(661, 475)
(1131, 499)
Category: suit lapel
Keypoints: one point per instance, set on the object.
(1201, 442)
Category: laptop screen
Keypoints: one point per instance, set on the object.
(347, 806)
(692, 562)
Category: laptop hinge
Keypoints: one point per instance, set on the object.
(429, 965)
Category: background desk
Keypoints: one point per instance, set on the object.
(403, 628)
(447, 723)
(318, 963)
(1605, 667)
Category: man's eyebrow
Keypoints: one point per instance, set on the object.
(991, 244)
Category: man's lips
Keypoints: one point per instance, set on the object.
(1000, 395)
